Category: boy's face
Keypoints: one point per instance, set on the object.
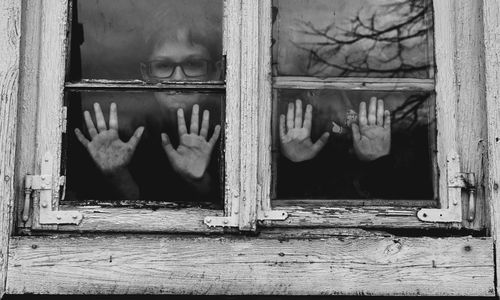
(179, 60)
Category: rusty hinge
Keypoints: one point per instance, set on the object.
(456, 181)
(41, 187)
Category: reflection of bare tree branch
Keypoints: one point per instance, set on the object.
(408, 113)
(394, 30)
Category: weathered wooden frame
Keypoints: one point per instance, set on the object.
(239, 185)
(453, 58)
(280, 261)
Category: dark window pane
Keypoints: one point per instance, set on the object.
(386, 161)
(110, 168)
(376, 38)
(147, 39)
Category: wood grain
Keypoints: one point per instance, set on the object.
(232, 46)
(361, 217)
(249, 110)
(491, 15)
(242, 266)
(28, 100)
(471, 103)
(10, 32)
(360, 84)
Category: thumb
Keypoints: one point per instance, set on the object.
(167, 145)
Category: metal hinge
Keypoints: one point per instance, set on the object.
(456, 182)
(41, 187)
(262, 215)
(268, 215)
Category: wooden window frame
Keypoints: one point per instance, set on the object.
(52, 43)
(278, 261)
(450, 56)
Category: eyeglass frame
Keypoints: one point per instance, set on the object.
(148, 65)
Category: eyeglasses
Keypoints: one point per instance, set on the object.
(162, 69)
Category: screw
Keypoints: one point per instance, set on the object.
(226, 221)
(59, 217)
(44, 205)
(75, 217)
(208, 220)
(266, 215)
(43, 178)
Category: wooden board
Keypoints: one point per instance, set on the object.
(248, 265)
(491, 17)
(10, 32)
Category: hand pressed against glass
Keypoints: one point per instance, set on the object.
(108, 151)
(372, 137)
(192, 157)
(296, 143)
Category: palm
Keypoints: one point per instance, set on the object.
(296, 143)
(105, 147)
(192, 157)
(109, 152)
(372, 137)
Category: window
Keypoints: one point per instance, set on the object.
(298, 233)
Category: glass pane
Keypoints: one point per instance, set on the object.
(360, 38)
(147, 39)
(108, 165)
(343, 157)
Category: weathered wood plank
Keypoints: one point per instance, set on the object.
(232, 46)
(10, 33)
(53, 37)
(264, 162)
(249, 110)
(471, 104)
(241, 266)
(360, 84)
(115, 219)
(491, 15)
(28, 100)
(446, 90)
(102, 84)
(361, 217)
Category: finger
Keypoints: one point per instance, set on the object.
(308, 118)
(204, 124)
(135, 138)
(289, 117)
(167, 145)
(195, 119)
(380, 112)
(99, 117)
(90, 124)
(321, 142)
(362, 114)
(181, 122)
(81, 138)
(113, 117)
(372, 111)
(298, 113)
(215, 135)
(387, 119)
(282, 127)
(356, 135)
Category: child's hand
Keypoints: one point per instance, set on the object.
(192, 157)
(296, 144)
(372, 137)
(108, 151)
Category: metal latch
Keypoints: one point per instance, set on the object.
(456, 182)
(41, 188)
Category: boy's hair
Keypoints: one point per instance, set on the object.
(199, 20)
